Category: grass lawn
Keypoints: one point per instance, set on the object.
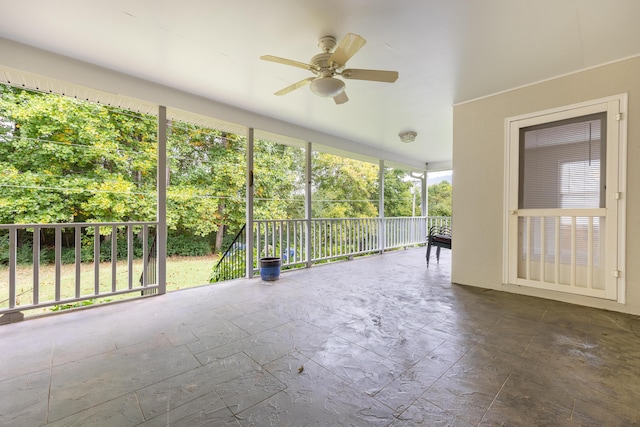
(182, 272)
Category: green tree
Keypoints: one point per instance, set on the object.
(344, 188)
(207, 186)
(68, 160)
(398, 194)
(439, 199)
(278, 181)
(206, 191)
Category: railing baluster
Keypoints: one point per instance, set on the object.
(556, 269)
(78, 257)
(274, 233)
(288, 245)
(590, 252)
(36, 265)
(145, 255)
(96, 259)
(114, 257)
(529, 246)
(130, 255)
(573, 251)
(58, 261)
(542, 248)
(13, 247)
(332, 243)
(295, 242)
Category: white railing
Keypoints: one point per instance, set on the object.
(334, 238)
(70, 280)
(80, 271)
(283, 238)
(561, 249)
(438, 221)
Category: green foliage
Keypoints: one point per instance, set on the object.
(401, 196)
(439, 199)
(278, 178)
(59, 307)
(344, 188)
(207, 183)
(66, 160)
(188, 245)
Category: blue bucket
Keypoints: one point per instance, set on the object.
(270, 268)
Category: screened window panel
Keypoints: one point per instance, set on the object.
(562, 164)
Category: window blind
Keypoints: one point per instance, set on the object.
(562, 164)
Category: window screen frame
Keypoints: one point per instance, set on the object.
(601, 116)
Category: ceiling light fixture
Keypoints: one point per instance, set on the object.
(327, 86)
(408, 136)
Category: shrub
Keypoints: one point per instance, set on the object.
(187, 245)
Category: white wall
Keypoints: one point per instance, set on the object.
(478, 165)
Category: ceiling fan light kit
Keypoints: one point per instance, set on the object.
(327, 86)
(327, 65)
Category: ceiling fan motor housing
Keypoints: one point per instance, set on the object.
(320, 63)
(327, 43)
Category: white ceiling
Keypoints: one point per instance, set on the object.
(446, 52)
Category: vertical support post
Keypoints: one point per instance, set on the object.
(381, 226)
(424, 220)
(307, 203)
(130, 254)
(424, 207)
(161, 232)
(145, 255)
(249, 198)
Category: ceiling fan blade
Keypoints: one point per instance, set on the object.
(294, 86)
(341, 98)
(349, 45)
(286, 61)
(372, 75)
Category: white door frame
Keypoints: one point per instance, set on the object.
(616, 108)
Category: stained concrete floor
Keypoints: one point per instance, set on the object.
(380, 341)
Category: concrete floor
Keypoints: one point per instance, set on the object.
(380, 341)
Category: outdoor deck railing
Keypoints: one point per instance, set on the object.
(332, 238)
(76, 246)
(83, 245)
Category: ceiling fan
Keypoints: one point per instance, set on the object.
(328, 64)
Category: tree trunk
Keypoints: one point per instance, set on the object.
(221, 230)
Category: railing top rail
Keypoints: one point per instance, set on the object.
(348, 219)
(78, 224)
